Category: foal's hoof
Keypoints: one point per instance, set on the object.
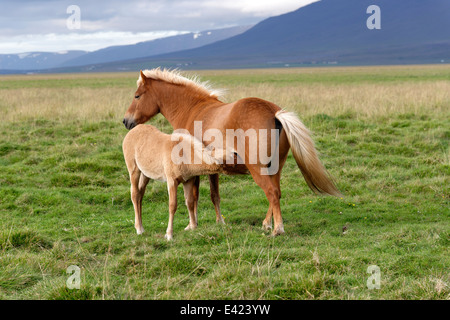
(168, 237)
(140, 230)
(266, 227)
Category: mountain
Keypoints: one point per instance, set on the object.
(327, 31)
(331, 31)
(155, 47)
(36, 60)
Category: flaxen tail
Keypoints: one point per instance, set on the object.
(305, 154)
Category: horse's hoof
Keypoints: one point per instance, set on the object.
(190, 227)
(168, 237)
(140, 230)
(278, 231)
(267, 227)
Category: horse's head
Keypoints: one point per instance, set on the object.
(143, 106)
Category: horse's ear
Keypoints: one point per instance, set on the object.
(144, 78)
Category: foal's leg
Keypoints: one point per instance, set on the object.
(172, 188)
(196, 194)
(138, 184)
(188, 187)
(214, 188)
(143, 181)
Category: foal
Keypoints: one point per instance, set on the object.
(151, 154)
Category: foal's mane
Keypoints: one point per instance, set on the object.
(176, 77)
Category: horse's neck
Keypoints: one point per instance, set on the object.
(181, 103)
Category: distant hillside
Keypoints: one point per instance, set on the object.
(36, 60)
(66, 60)
(324, 32)
(155, 47)
(330, 31)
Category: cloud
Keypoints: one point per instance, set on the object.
(40, 25)
(72, 41)
(261, 8)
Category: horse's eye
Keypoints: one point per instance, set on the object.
(136, 97)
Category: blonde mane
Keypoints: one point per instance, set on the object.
(176, 77)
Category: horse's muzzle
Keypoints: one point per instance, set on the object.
(129, 124)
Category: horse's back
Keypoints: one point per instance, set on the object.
(253, 113)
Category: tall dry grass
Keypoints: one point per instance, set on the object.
(64, 104)
(365, 99)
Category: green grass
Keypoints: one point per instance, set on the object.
(65, 200)
(73, 81)
(331, 75)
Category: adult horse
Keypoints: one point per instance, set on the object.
(184, 102)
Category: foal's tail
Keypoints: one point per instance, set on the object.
(305, 154)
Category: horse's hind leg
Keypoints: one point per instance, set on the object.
(215, 198)
(196, 194)
(267, 223)
(190, 198)
(172, 188)
(143, 181)
(271, 187)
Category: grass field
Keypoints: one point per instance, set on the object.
(383, 133)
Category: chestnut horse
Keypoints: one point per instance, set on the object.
(184, 102)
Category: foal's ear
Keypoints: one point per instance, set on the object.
(144, 78)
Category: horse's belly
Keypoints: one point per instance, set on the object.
(235, 169)
(152, 171)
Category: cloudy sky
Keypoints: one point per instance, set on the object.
(53, 25)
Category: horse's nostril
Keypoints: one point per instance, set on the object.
(129, 123)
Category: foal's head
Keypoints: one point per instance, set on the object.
(143, 106)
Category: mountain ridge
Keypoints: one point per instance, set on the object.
(323, 32)
(331, 29)
(35, 61)
(155, 47)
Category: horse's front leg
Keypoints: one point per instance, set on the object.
(215, 198)
(172, 188)
(138, 184)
